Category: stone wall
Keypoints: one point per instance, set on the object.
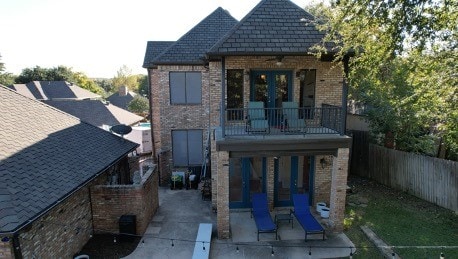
(110, 202)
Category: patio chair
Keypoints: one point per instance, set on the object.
(291, 120)
(256, 119)
(260, 213)
(304, 216)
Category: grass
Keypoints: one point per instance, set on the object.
(400, 220)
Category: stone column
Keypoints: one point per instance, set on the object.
(222, 217)
(338, 189)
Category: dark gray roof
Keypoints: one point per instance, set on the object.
(192, 47)
(153, 49)
(96, 112)
(45, 155)
(273, 27)
(122, 101)
(47, 90)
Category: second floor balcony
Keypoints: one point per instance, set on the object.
(283, 121)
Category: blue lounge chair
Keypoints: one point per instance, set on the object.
(305, 217)
(260, 213)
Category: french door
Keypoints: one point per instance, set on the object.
(293, 175)
(246, 176)
(272, 88)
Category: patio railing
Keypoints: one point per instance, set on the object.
(283, 121)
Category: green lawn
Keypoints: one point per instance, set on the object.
(400, 220)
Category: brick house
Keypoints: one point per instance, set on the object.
(204, 88)
(63, 180)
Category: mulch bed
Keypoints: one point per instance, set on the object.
(103, 246)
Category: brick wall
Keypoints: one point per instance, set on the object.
(168, 117)
(110, 202)
(322, 181)
(222, 218)
(338, 189)
(62, 232)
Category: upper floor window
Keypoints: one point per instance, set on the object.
(185, 88)
(235, 94)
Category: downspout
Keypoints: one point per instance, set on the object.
(150, 100)
(223, 97)
(344, 96)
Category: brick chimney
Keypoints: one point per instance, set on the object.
(123, 90)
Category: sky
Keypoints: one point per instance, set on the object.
(98, 37)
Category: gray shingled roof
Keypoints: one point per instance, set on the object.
(96, 112)
(47, 90)
(153, 49)
(273, 27)
(192, 47)
(45, 155)
(122, 101)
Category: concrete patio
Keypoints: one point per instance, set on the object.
(181, 211)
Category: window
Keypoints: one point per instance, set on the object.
(187, 147)
(185, 88)
(235, 94)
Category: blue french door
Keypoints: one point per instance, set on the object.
(293, 175)
(271, 87)
(246, 176)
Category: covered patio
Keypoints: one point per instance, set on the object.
(181, 211)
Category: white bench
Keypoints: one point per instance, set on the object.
(203, 239)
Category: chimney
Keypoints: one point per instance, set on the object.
(123, 90)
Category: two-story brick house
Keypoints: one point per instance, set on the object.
(270, 110)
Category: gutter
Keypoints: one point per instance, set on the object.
(15, 231)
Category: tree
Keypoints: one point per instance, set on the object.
(138, 105)
(124, 77)
(403, 66)
(143, 85)
(84, 82)
(106, 85)
(5, 78)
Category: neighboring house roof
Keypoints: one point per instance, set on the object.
(192, 47)
(45, 156)
(153, 49)
(48, 90)
(122, 101)
(96, 112)
(273, 27)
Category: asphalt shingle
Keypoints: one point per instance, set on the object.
(192, 47)
(273, 27)
(48, 90)
(45, 154)
(96, 112)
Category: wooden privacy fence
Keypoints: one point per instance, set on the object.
(429, 178)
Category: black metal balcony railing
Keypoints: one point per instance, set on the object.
(282, 121)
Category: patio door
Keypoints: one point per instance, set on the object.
(272, 88)
(246, 176)
(293, 175)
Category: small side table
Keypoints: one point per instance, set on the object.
(284, 217)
